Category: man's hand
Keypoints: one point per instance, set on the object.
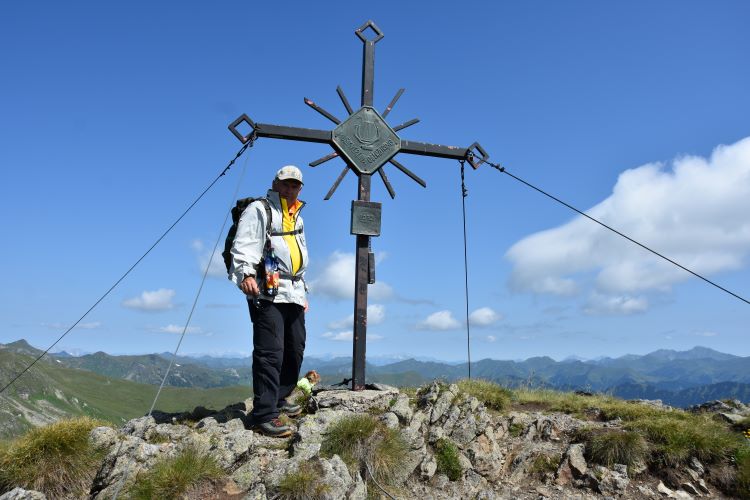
(249, 286)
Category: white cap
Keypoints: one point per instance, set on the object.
(289, 172)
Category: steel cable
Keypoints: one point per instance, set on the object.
(545, 193)
(248, 144)
(189, 318)
(464, 194)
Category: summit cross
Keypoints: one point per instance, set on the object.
(366, 143)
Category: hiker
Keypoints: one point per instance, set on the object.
(268, 261)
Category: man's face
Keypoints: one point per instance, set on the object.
(287, 188)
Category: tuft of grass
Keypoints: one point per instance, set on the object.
(171, 478)
(616, 447)
(366, 445)
(742, 478)
(516, 429)
(491, 394)
(677, 437)
(304, 483)
(544, 464)
(446, 456)
(57, 459)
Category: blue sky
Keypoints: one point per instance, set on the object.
(113, 118)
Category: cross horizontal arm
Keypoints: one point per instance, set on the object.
(427, 149)
(293, 133)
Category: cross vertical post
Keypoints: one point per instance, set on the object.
(365, 142)
(361, 279)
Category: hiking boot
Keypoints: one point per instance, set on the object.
(273, 428)
(290, 410)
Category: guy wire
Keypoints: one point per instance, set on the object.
(249, 143)
(464, 194)
(190, 316)
(503, 170)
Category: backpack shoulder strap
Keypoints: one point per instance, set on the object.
(267, 207)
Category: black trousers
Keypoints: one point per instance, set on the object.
(278, 346)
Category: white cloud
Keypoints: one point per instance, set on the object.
(83, 326)
(484, 316)
(706, 334)
(217, 269)
(346, 336)
(157, 300)
(178, 329)
(490, 338)
(441, 320)
(375, 316)
(337, 279)
(615, 305)
(694, 211)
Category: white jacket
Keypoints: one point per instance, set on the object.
(249, 243)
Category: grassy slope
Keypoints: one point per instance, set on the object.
(97, 396)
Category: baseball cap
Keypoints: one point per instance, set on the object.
(289, 172)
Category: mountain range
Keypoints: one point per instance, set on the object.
(679, 378)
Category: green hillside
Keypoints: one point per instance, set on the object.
(50, 391)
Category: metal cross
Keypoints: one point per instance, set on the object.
(366, 143)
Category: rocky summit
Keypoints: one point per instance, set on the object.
(454, 447)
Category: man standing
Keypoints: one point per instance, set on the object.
(278, 320)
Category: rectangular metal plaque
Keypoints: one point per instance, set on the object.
(366, 218)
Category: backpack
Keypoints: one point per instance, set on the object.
(236, 214)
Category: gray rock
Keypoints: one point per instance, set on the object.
(546, 429)
(435, 434)
(139, 426)
(103, 437)
(390, 420)
(207, 423)
(402, 409)
(732, 418)
(465, 430)
(690, 488)
(430, 395)
(574, 456)
(702, 486)
(661, 488)
(464, 461)
(258, 492)
(413, 438)
(693, 475)
(359, 490)
(614, 482)
(356, 401)
(441, 406)
(417, 419)
(233, 446)
(22, 494)
(428, 467)
(453, 415)
(697, 466)
(486, 457)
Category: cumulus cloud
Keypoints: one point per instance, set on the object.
(615, 305)
(337, 280)
(347, 336)
(693, 211)
(490, 338)
(484, 316)
(706, 334)
(217, 269)
(156, 300)
(178, 329)
(375, 316)
(441, 320)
